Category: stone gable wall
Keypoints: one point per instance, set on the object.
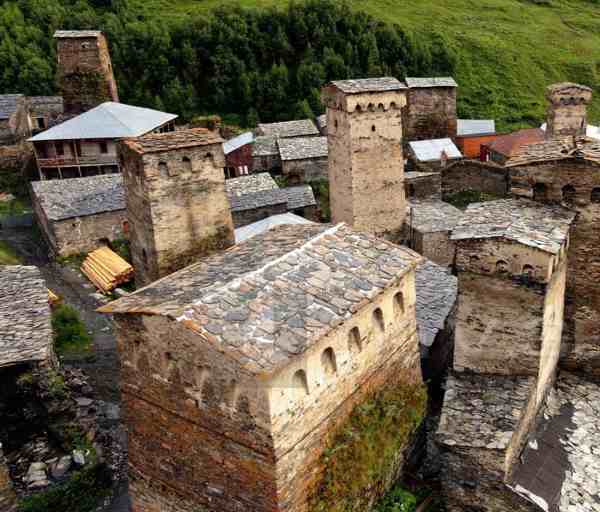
(306, 170)
(430, 113)
(424, 187)
(435, 246)
(474, 175)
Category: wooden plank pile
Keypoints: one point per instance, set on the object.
(106, 269)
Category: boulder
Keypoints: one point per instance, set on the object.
(61, 467)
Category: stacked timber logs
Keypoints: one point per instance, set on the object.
(106, 269)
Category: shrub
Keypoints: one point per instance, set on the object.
(70, 333)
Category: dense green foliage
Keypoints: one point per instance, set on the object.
(70, 334)
(363, 452)
(7, 255)
(261, 65)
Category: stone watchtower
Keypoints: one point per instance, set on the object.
(567, 111)
(177, 206)
(366, 164)
(85, 72)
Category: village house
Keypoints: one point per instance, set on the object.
(14, 121)
(78, 215)
(44, 111)
(265, 155)
(86, 145)
(238, 155)
(433, 155)
(503, 147)
(296, 128)
(304, 159)
(472, 133)
(423, 185)
(198, 385)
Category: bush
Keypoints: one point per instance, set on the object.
(397, 500)
(70, 333)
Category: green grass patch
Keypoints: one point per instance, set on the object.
(13, 207)
(7, 255)
(70, 333)
(362, 454)
(464, 198)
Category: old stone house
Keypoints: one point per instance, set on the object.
(238, 155)
(78, 215)
(304, 159)
(467, 174)
(86, 145)
(14, 121)
(222, 359)
(44, 111)
(423, 185)
(296, 128)
(472, 133)
(430, 111)
(265, 155)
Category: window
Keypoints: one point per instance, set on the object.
(300, 383)
(399, 303)
(78, 147)
(378, 319)
(163, 169)
(411, 190)
(595, 197)
(569, 193)
(60, 150)
(354, 343)
(103, 147)
(41, 123)
(187, 164)
(229, 172)
(528, 271)
(540, 192)
(501, 267)
(328, 362)
(208, 155)
(144, 256)
(125, 226)
(373, 128)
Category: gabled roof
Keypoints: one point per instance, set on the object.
(107, 121)
(60, 34)
(295, 128)
(265, 145)
(300, 148)
(9, 103)
(431, 150)
(259, 227)
(432, 215)
(253, 191)
(425, 82)
(271, 297)
(299, 196)
(248, 184)
(556, 149)
(366, 85)
(25, 330)
(169, 141)
(510, 144)
(238, 142)
(466, 127)
(536, 225)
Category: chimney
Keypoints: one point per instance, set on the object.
(567, 110)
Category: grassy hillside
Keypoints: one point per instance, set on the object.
(507, 50)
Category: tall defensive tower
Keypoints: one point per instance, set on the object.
(567, 110)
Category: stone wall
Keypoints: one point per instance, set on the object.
(305, 171)
(177, 208)
(435, 246)
(245, 217)
(545, 182)
(8, 499)
(474, 175)
(430, 113)
(271, 163)
(423, 185)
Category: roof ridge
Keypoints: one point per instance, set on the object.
(113, 115)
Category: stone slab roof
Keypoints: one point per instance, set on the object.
(59, 34)
(416, 175)
(542, 227)
(250, 183)
(255, 200)
(432, 216)
(366, 85)
(436, 289)
(295, 128)
(509, 144)
(556, 149)
(78, 197)
(482, 411)
(25, 328)
(269, 298)
(179, 139)
(444, 81)
(560, 466)
(265, 146)
(300, 148)
(300, 196)
(9, 104)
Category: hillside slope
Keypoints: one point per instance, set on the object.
(508, 50)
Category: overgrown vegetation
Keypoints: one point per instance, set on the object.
(362, 454)
(321, 191)
(464, 198)
(7, 255)
(121, 247)
(70, 333)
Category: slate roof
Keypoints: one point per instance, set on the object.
(250, 183)
(295, 128)
(300, 148)
(436, 290)
(556, 149)
(25, 329)
(9, 104)
(107, 121)
(265, 146)
(366, 85)
(78, 197)
(76, 33)
(560, 466)
(475, 127)
(237, 142)
(268, 299)
(178, 139)
(482, 411)
(444, 81)
(542, 227)
(300, 196)
(431, 216)
(260, 199)
(260, 226)
(51, 104)
(431, 150)
(508, 145)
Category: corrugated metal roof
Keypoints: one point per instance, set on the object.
(510, 144)
(475, 127)
(431, 150)
(237, 142)
(433, 81)
(107, 121)
(256, 228)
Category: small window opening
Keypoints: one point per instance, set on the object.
(300, 382)
(354, 343)
(378, 319)
(328, 362)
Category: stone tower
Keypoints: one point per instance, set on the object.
(85, 72)
(366, 164)
(567, 111)
(177, 207)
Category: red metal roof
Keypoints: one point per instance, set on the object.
(508, 145)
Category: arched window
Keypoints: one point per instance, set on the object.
(358, 108)
(187, 164)
(371, 107)
(300, 383)
(208, 155)
(528, 271)
(144, 256)
(380, 106)
(378, 320)
(569, 193)
(354, 343)
(393, 104)
(373, 128)
(399, 303)
(595, 197)
(163, 169)
(540, 192)
(501, 267)
(328, 362)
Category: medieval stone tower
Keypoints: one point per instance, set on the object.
(366, 165)
(567, 111)
(85, 72)
(177, 207)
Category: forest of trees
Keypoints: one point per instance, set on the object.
(250, 65)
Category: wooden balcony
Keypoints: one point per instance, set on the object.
(77, 161)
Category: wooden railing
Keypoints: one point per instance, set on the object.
(78, 160)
